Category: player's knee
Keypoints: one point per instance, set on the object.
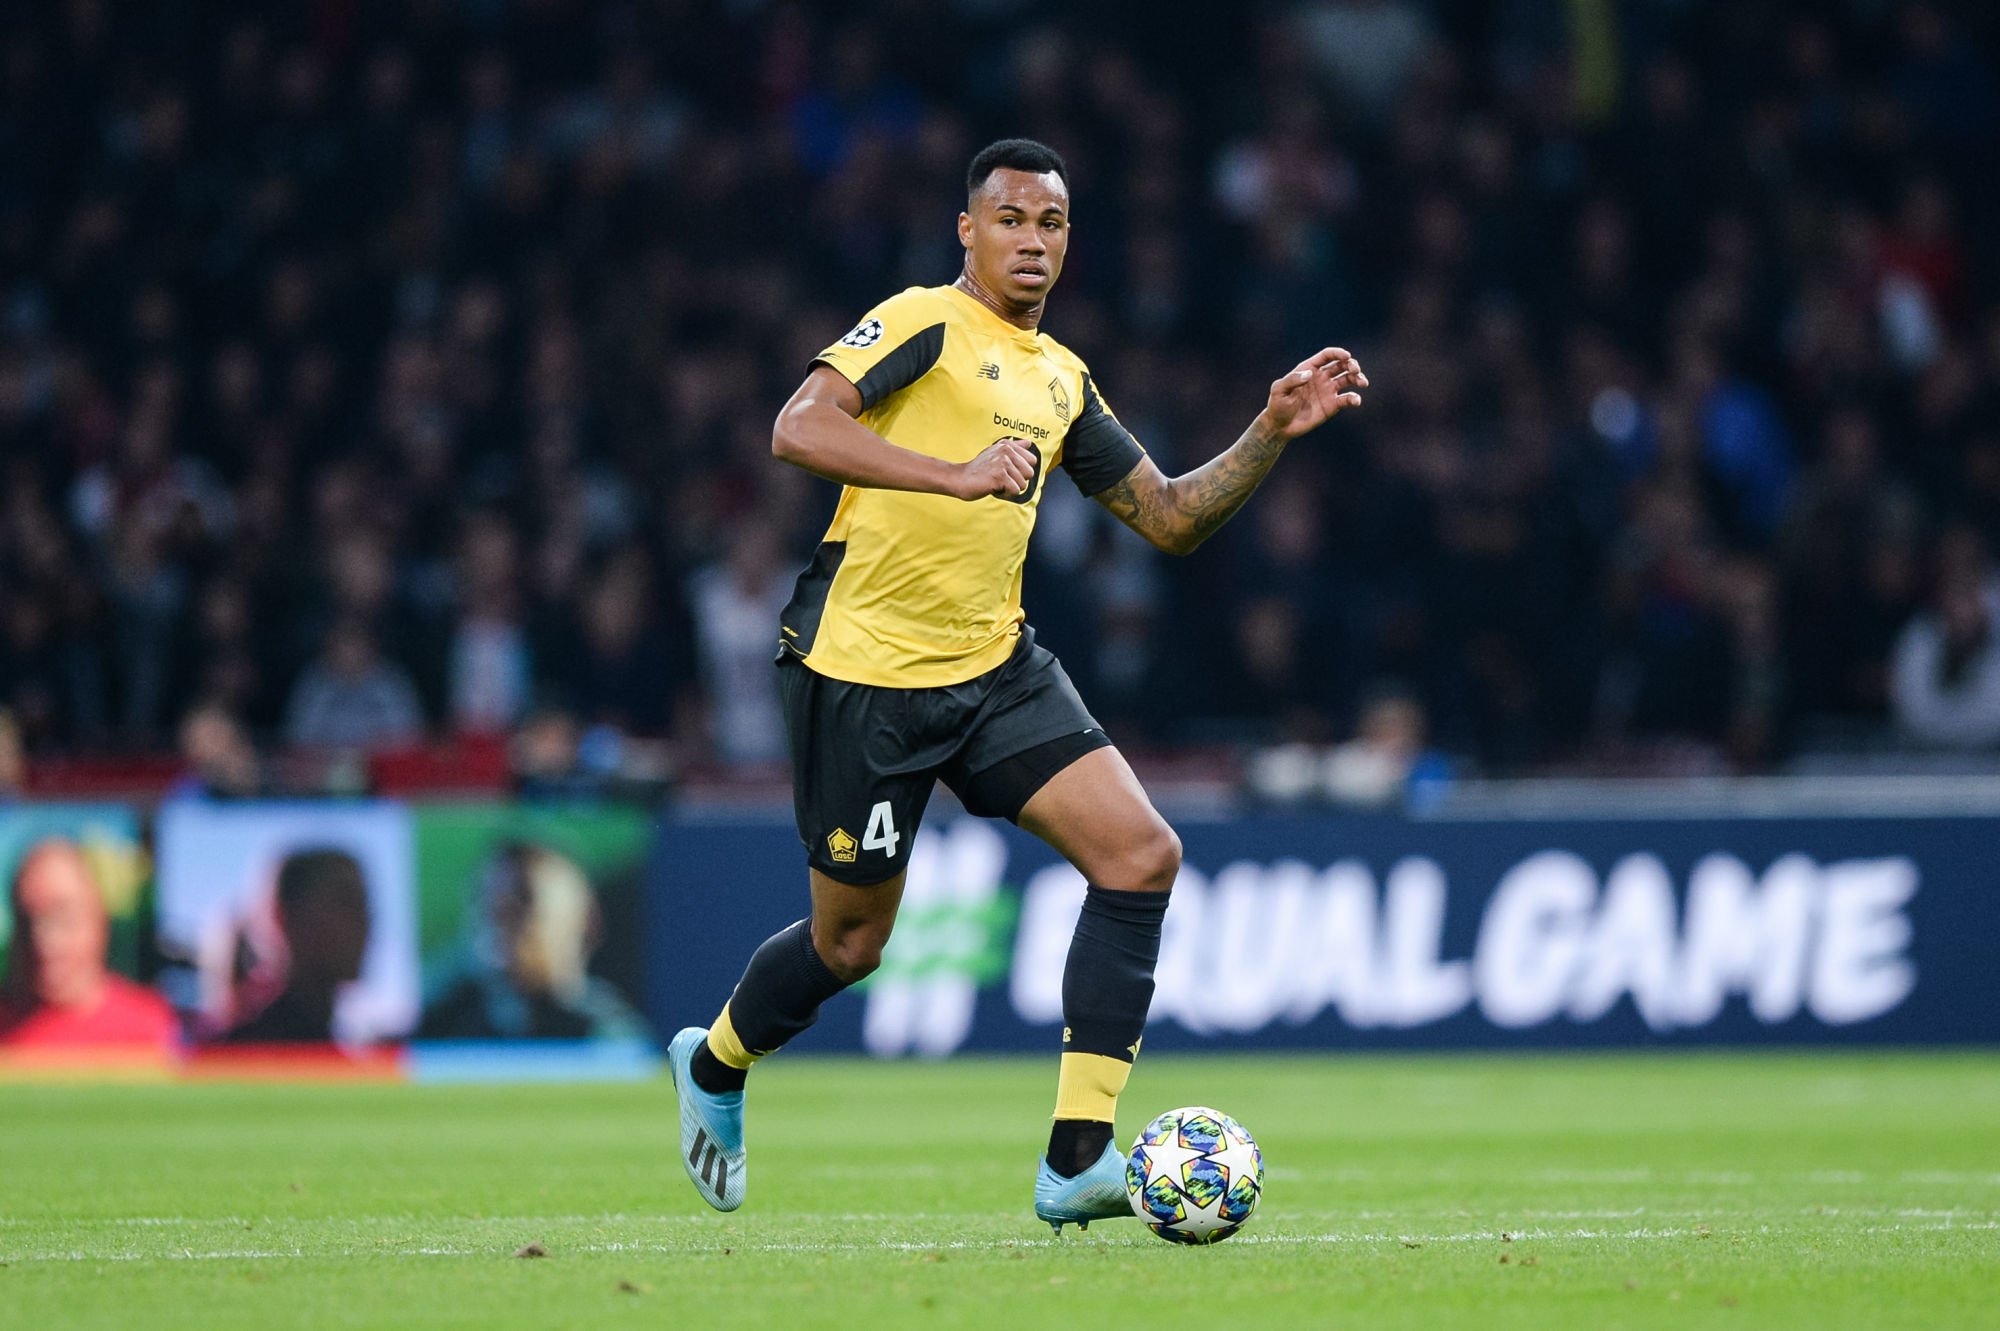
(1154, 861)
(854, 952)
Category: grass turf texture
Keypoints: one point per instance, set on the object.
(1549, 1192)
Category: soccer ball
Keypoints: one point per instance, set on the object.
(1194, 1175)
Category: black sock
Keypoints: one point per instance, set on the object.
(1075, 1144)
(779, 996)
(1107, 987)
(715, 1076)
(1108, 980)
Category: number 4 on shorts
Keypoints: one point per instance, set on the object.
(881, 833)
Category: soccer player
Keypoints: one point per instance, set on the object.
(904, 659)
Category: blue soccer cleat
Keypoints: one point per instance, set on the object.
(711, 1128)
(1098, 1193)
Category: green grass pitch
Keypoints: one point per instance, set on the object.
(1753, 1191)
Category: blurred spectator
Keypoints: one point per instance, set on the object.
(1388, 762)
(1756, 710)
(352, 698)
(736, 606)
(620, 666)
(1850, 548)
(1946, 685)
(13, 759)
(1368, 49)
(1683, 332)
(1387, 755)
(57, 990)
(526, 972)
(489, 647)
(223, 659)
(321, 903)
(554, 758)
(221, 761)
(545, 756)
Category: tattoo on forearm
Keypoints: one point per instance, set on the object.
(1141, 512)
(1185, 511)
(1210, 494)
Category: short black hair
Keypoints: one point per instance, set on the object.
(307, 873)
(1013, 155)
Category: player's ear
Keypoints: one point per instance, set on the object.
(965, 230)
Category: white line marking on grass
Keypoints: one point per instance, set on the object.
(1926, 1213)
(1449, 1173)
(1475, 1236)
(1948, 1176)
(703, 1219)
(1620, 1177)
(184, 1255)
(741, 1244)
(1940, 1221)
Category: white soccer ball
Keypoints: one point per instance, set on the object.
(1194, 1175)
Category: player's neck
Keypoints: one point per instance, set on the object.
(1029, 319)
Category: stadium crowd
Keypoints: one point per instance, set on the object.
(375, 370)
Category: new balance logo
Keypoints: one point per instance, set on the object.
(988, 370)
(714, 1168)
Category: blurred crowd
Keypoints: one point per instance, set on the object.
(371, 371)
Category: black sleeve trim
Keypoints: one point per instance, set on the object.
(901, 367)
(1098, 452)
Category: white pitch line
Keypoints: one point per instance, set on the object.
(1639, 1234)
(696, 1218)
(1619, 1177)
(377, 1222)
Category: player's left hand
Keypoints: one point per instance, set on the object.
(1323, 386)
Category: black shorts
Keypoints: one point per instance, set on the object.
(864, 758)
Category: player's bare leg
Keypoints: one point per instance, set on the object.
(851, 925)
(788, 978)
(1098, 816)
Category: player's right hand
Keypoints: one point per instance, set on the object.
(1005, 467)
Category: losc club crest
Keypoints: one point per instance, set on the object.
(866, 334)
(1059, 398)
(840, 844)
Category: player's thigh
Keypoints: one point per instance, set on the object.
(857, 802)
(1097, 816)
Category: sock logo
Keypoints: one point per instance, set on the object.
(842, 846)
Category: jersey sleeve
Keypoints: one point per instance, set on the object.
(896, 344)
(1098, 452)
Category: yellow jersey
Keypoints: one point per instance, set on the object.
(914, 590)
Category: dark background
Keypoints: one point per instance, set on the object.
(459, 328)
